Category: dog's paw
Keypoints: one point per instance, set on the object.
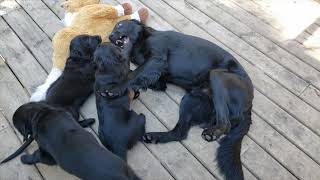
(211, 134)
(150, 138)
(27, 159)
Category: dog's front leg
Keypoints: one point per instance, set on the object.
(36, 157)
(144, 76)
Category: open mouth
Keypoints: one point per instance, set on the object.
(123, 40)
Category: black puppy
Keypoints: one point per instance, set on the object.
(119, 127)
(63, 141)
(192, 63)
(75, 84)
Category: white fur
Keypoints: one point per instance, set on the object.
(135, 16)
(68, 18)
(41, 91)
(119, 9)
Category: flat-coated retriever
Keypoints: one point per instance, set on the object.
(192, 63)
(63, 141)
(75, 84)
(119, 127)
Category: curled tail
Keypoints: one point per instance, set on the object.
(229, 151)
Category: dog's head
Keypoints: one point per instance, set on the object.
(27, 116)
(83, 47)
(127, 33)
(111, 59)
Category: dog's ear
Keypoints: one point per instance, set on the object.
(36, 117)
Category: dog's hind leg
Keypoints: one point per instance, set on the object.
(87, 122)
(220, 99)
(38, 156)
(232, 95)
(194, 110)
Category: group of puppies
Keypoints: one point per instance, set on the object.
(219, 98)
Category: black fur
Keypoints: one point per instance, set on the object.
(192, 63)
(75, 84)
(119, 127)
(63, 141)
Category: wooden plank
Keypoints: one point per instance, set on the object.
(312, 96)
(285, 124)
(256, 40)
(170, 155)
(263, 166)
(264, 29)
(9, 143)
(19, 59)
(289, 155)
(272, 12)
(243, 49)
(42, 15)
(55, 6)
(7, 6)
(37, 41)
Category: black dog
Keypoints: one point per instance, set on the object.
(63, 141)
(75, 84)
(192, 63)
(119, 127)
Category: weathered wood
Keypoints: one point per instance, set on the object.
(272, 12)
(7, 6)
(243, 49)
(256, 40)
(19, 59)
(286, 153)
(37, 41)
(55, 6)
(42, 15)
(263, 166)
(293, 130)
(9, 143)
(264, 29)
(312, 96)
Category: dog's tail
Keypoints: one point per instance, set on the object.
(18, 151)
(229, 151)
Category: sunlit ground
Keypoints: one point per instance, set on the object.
(7, 6)
(291, 18)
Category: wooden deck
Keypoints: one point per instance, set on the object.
(277, 41)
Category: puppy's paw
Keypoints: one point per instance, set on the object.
(27, 159)
(127, 8)
(211, 134)
(150, 138)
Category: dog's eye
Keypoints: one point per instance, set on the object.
(119, 25)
